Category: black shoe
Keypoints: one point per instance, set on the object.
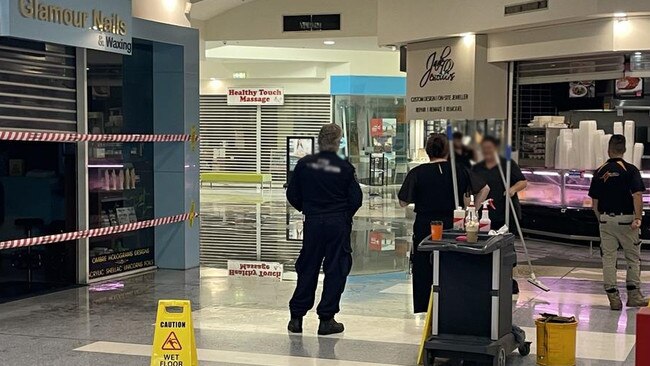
(515, 287)
(331, 326)
(295, 325)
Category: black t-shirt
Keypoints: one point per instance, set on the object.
(497, 188)
(465, 157)
(430, 187)
(613, 185)
(324, 184)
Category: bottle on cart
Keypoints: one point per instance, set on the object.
(459, 219)
(485, 224)
(471, 216)
(471, 222)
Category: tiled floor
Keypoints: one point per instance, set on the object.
(243, 321)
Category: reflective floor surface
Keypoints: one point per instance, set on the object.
(242, 321)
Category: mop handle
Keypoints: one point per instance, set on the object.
(452, 157)
(514, 213)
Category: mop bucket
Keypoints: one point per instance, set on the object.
(556, 340)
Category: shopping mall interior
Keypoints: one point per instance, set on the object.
(155, 156)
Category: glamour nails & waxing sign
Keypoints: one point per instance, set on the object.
(94, 24)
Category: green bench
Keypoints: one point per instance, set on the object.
(236, 177)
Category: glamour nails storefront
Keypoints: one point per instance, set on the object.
(119, 95)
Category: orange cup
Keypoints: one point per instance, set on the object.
(436, 230)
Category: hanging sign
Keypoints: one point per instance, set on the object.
(451, 79)
(255, 269)
(255, 96)
(94, 24)
(173, 341)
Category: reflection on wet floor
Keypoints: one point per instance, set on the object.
(244, 224)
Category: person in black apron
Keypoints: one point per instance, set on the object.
(430, 187)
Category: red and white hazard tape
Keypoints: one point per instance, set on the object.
(57, 238)
(76, 137)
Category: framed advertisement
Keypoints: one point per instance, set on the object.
(297, 148)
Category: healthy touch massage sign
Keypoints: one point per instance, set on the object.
(95, 24)
(70, 17)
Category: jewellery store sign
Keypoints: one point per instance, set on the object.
(103, 25)
(451, 79)
(440, 79)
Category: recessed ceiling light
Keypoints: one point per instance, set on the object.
(637, 53)
(329, 43)
(620, 15)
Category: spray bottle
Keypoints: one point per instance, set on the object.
(471, 216)
(485, 224)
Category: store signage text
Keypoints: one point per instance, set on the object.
(92, 24)
(255, 96)
(439, 67)
(255, 269)
(37, 10)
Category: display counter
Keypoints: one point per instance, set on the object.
(556, 204)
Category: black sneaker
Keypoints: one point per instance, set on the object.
(331, 326)
(295, 325)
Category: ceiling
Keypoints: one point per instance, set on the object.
(342, 43)
(206, 9)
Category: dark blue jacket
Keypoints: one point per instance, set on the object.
(324, 184)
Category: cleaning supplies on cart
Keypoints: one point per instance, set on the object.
(459, 219)
(471, 222)
(485, 224)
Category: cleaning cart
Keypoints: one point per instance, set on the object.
(471, 316)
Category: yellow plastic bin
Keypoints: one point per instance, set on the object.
(556, 341)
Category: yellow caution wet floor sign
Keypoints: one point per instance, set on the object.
(173, 340)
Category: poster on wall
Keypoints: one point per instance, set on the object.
(255, 96)
(582, 89)
(376, 127)
(629, 87)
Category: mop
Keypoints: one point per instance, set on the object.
(533, 279)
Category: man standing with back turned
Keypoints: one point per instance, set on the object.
(324, 188)
(616, 190)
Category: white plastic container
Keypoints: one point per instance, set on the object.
(459, 219)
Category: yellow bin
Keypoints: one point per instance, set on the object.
(556, 343)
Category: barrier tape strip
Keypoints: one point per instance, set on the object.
(57, 238)
(81, 137)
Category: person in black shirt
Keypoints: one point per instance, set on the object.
(489, 171)
(464, 154)
(616, 190)
(429, 186)
(325, 189)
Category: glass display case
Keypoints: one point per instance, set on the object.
(120, 175)
(556, 203)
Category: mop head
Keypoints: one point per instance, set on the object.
(537, 283)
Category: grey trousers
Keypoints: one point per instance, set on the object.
(615, 231)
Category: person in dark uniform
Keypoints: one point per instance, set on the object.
(429, 186)
(464, 154)
(489, 171)
(325, 189)
(616, 190)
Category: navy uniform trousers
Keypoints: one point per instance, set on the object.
(326, 242)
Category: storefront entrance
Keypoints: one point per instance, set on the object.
(37, 197)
